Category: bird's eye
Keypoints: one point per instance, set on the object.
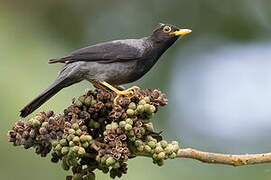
(167, 29)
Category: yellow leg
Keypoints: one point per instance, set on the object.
(119, 93)
(99, 86)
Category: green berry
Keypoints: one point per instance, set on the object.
(149, 127)
(129, 121)
(138, 142)
(110, 161)
(172, 156)
(71, 131)
(81, 151)
(75, 149)
(55, 143)
(114, 125)
(169, 149)
(140, 148)
(147, 108)
(146, 99)
(93, 102)
(63, 142)
(82, 99)
(161, 155)
(44, 124)
(122, 124)
(65, 150)
(64, 136)
(128, 127)
(132, 106)
(36, 123)
(132, 138)
(153, 109)
(143, 131)
(58, 147)
(130, 112)
(163, 143)
(108, 127)
(76, 139)
(75, 126)
(152, 144)
(140, 109)
(116, 165)
(131, 133)
(150, 138)
(78, 103)
(91, 123)
(158, 149)
(89, 138)
(96, 125)
(154, 156)
(147, 148)
(98, 159)
(142, 102)
(88, 101)
(71, 144)
(103, 160)
(78, 132)
(85, 144)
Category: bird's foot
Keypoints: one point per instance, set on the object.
(127, 92)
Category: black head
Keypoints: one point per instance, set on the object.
(168, 33)
(164, 36)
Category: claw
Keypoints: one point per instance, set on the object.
(127, 92)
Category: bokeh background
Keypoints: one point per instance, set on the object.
(217, 79)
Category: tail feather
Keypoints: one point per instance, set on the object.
(59, 60)
(42, 98)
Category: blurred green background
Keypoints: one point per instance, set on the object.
(218, 79)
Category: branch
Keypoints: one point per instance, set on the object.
(227, 159)
(219, 158)
(94, 133)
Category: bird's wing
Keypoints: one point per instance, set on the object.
(108, 52)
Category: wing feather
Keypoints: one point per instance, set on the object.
(108, 52)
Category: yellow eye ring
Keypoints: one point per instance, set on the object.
(167, 29)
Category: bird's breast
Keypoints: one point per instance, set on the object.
(117, 73)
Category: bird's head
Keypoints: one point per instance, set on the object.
(168, 34)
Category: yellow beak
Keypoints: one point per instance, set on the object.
(181, 32)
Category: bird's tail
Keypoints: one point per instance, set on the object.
(43, 97)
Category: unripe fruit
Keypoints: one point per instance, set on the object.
(132, 106)
(130, 112)
(142, 102)
(129, 121)
(128, 127)
(65, 150)
(110, 161)
(81, 151)
(161, 155)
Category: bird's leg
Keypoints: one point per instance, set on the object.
(99, 86)
(119, 93)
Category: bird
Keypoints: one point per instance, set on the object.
(108, 65)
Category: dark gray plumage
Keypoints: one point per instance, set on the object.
(116, 62)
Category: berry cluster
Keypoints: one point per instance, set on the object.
(94, 133)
